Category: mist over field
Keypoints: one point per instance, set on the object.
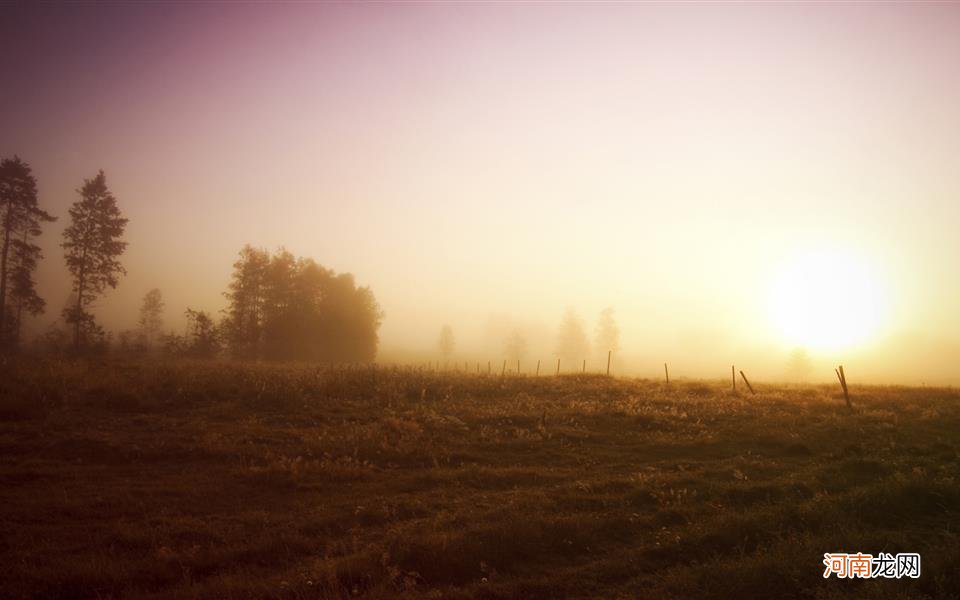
(489, 167)
(500, 300)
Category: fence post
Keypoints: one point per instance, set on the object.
(666, 372)
(558, 367)
(843, 384)
(609, 352)
(538, 368)
(747, 381)
(733, 378)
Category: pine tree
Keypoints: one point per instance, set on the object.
(20, 220)
(92, 248)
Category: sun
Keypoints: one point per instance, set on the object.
(828, 300)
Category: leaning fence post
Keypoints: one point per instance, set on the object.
(503, 371)
(538, 367)
(609, 352)
(843, 383)
(747, 381)
(666, 372)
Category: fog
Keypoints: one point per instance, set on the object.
(491, 166)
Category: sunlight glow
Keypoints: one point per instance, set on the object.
(828, 300)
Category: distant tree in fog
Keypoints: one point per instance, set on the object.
(515, 346)
(92, 247)
(572, 344)
(283, 307)
(203, 338)
(151, 316)
(799, 366)
(20, 222)
(446, 344)
(607, 335)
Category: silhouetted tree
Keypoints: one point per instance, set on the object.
(203, 339)
(572, 344)
(515, 346)
(283, 307)
(607, 333)
(92, 248)
(20, 220)
(151, 317)
(446, 344)
(245, 297)
(349, 319)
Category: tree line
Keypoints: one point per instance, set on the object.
(572, 344)
(279, 306)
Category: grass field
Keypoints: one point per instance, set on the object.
(229, 480)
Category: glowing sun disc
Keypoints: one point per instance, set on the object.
(827, 300)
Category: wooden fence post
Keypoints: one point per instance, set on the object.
(843, 383)
(503, 371)
(747, 381)
(584, 365)
(609, 352)
(538, 368)
(666, 372)
(558, 367)
(733, 378)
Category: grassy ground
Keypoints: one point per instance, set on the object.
(220, 480)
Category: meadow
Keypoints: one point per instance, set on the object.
(228, 480)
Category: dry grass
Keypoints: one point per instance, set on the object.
(228, 480)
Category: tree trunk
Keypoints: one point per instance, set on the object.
(16, 331)
(77, 316)
(3, 278)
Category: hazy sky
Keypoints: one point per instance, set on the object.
(489, 165)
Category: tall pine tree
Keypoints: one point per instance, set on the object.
(20, 220)
(92, 247)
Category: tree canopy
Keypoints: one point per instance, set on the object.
(282, 307)
(92, 245)
(20, 222)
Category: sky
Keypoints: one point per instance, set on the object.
(736, 179)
